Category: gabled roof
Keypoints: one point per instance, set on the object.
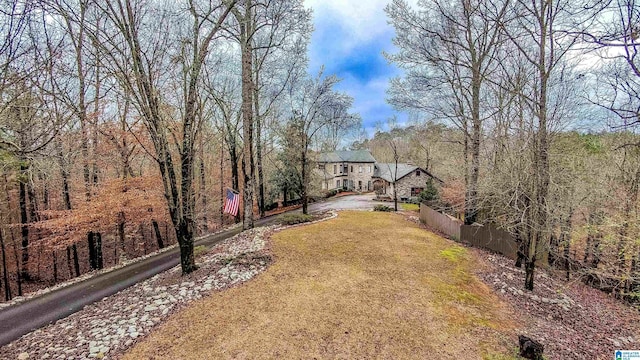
(358, 156)
(387, 171)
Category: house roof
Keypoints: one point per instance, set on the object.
(359, 156)
(387, 171)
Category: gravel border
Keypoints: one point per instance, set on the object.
(91, 274)
(571, 319)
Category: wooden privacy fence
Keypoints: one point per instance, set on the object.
(442, 222)
(490, 237)
(484, 236)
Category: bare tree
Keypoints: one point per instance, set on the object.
(314, 105)
(449, 49)
(614, 37)
(135, 55)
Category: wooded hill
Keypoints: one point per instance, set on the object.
(594, 181)
(123, 122)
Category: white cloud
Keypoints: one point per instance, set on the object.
(363, 19)
(343, 28)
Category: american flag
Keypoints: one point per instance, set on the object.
(231, 203)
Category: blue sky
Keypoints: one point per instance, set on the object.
(348, 40)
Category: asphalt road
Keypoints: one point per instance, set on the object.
(39, 311)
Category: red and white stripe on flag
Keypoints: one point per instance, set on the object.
(231, 203)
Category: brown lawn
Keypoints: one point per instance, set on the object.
(364, 285)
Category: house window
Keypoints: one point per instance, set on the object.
(418, 173)
(334, 169)
(360, 169)
(351, 168)
(337, 183)
(346, 169)
(416, 191)
(321, 166)
(369, 183)
(359, 185)
(369, 168)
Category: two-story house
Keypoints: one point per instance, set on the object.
(348, 170)
(358, 171)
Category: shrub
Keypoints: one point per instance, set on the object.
(292, 219)
(382, 208)
(330, 193)
(430, 192)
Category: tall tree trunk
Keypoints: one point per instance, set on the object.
(5, 274)
(121, 234)
(471, 201)
(247, 114)
(18, 271)
(93, 260)
(32, 206)
(186, 222)
(156, 229)
(55, 266)
(24, 220)
(222, 183)
(46, 201)
(66, 201)
(76, 260)
(395, 177)
(305, 182)
(69, 266)
(13, 238)
(541, 157)
(203, 193)
(260, 173)
(465, 156)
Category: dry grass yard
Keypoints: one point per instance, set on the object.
(365, 285)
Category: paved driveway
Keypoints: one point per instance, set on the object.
(349, 202)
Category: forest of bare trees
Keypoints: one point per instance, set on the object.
(122, 123)
(540, 101)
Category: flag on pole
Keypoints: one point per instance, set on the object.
(231, 203)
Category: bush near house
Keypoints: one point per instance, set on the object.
(430, 192)
(332, 192)
(384, 208)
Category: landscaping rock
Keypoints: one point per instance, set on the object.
(530, 349)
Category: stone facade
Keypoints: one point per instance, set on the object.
(355, 176)
(405, 184)
(359, 171)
